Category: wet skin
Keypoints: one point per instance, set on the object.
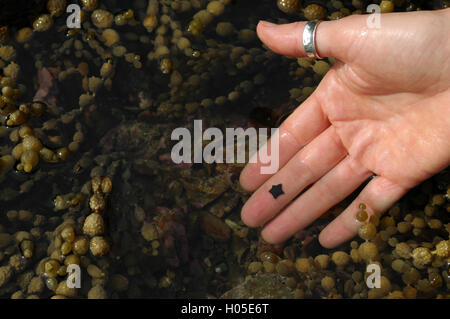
(383, 108)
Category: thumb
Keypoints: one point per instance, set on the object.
(333, 38)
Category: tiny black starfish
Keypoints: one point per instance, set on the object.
(276, 191)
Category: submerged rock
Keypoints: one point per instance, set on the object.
(262, 286)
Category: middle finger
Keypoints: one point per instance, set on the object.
(306, 167)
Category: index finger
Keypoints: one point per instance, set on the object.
(301, 127)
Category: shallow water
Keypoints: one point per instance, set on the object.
(199, 247)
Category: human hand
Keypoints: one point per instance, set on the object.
(383, 108)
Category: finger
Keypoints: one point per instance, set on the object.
(306, 167)
(333, 38)
(304, 124)
(331, 189)
(378, 196)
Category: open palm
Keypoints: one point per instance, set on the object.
(384, 109)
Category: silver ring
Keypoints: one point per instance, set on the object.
(309, 39)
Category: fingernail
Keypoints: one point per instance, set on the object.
(267, 24)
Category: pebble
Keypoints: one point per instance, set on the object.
(97, 292)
